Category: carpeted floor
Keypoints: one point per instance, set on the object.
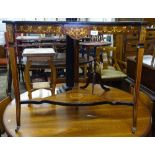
(3, 84)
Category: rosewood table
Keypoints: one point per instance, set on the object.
(74, 32)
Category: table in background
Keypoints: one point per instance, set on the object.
(59, 61)
(94, 45)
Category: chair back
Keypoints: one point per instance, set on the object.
(107, 56)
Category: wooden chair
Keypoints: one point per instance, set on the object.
(32, 86)
(107, 66)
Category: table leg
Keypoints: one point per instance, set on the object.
(92, 76)
(69, 63)
(94, 71)
(89, 79)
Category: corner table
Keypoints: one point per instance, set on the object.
(75, 31)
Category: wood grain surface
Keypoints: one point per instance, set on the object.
(102, 120)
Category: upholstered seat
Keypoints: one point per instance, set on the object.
(110, 72)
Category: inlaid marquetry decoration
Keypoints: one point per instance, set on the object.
(76, 32)
(9, 28)
(116, 29)
(46, 29)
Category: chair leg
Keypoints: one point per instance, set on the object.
(89, 78)
(53, 89)
(30, 97)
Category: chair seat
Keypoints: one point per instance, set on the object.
(112, 74)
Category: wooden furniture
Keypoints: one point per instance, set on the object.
(59, 61)
(107, 56)
(148, 72)
(94, 44)
(92, 71)
(93, 121)
(40, 41)
(131, 42)
(3, 104)
(43, 57)
(75, 32)
(108, 69)
(56, 42)
(150, 40)
(78, 97)
(40, 38)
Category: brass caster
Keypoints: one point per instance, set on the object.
(17, 129)
(134, 130)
